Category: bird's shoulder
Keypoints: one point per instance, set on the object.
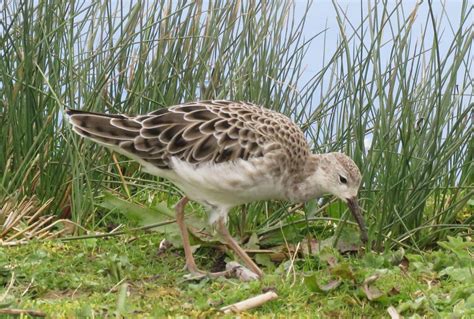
(216, 131)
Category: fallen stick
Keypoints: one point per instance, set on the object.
(33, 313)
(250, 303)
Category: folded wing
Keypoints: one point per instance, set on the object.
(198, 132)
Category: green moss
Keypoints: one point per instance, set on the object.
(86, 278)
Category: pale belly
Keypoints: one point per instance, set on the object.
(223, 185)
(229, 184)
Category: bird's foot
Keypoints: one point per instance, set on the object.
(243, 273)
(197, 274)
(233, 269)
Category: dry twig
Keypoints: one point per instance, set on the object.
(34, 313)
(250, 303)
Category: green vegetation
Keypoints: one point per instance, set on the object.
(414, 103)
(127, 276)
(417, 170)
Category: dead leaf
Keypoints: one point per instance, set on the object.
(393, 313)
(333, 284)
(404, 264)
(332, 261)
(311, 282)
(394, 291)
(313, 243)
(371, 292)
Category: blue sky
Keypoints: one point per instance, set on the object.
(322, 15)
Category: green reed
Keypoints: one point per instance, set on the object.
(135, 58)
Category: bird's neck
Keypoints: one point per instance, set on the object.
(306, 185)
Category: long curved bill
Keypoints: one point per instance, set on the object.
(356, 212)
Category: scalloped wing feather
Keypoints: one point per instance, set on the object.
(196, 133)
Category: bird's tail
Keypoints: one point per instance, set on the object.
(107, 129)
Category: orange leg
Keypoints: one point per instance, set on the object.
(190, 263)
(224, 232)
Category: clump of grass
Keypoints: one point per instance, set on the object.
(127, 278)
(414, 106)
(103, 56)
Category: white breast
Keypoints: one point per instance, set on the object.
(222, 186)
(226, 184)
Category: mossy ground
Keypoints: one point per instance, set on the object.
(120, 277)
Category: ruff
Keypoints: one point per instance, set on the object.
(223, 154)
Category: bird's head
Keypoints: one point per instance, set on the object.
(337, 174)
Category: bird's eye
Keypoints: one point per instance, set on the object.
(342, 179)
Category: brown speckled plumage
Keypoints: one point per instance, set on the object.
(199, 132)
(223, 154)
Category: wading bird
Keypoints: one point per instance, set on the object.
(222, 154)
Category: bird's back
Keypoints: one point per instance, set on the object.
(197, 133)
